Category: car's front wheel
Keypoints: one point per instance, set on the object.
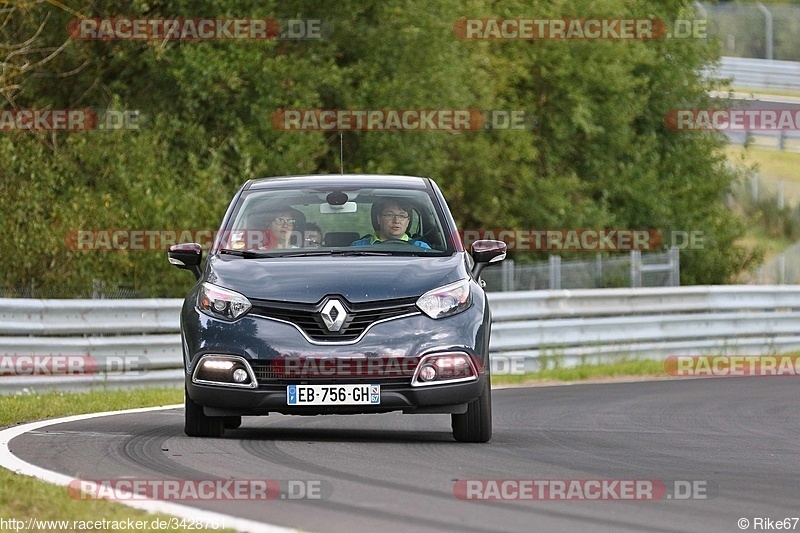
(476, 424)
(197, 424)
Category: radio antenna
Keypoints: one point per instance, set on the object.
(341, 153)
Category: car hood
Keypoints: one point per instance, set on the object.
(358, 279)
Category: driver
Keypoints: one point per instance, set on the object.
(390, 218)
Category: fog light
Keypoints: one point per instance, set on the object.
(427, 373)
(218, 365)
(444, 368)
(224, 370)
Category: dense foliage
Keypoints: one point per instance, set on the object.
(598, 156)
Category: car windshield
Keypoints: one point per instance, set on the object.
(323, 221)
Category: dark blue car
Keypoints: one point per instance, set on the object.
(339, 294)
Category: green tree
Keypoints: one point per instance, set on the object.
(598, 156)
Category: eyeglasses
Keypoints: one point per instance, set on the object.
(285, 221)
(396, 216)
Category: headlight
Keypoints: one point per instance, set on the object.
(222, 303)
(446, 301)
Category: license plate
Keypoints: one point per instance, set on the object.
(333, 394)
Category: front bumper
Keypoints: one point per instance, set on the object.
(443, 398)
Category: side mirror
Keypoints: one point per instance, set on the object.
(486, 252)
(186, 256)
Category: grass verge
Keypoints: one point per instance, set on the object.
(770, 229)
(624, 368)
(773, 166)
(18, 408)
(23, 498)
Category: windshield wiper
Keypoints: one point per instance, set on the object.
(301, 254)
(360, 252)
(247, 254)
(250, 254)
(345, 253)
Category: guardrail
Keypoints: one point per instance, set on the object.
(108, 333)
(572, 325)
(760, 73)
(599, 325)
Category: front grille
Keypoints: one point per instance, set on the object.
(359, 316)
(274, 373)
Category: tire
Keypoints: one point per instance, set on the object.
(197, 424)
(233, 422)
(476, 424)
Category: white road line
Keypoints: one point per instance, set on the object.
(11, 462)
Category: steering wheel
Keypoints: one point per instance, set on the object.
(397, 241)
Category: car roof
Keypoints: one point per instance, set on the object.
(346, 181)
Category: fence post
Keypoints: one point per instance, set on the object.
(701, 9)
(555, 272)
(598, 271)
(98, 289)
(636, 268)
(767, 28)
(675, 267)
(507, 273)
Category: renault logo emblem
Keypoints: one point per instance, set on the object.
(333, 315)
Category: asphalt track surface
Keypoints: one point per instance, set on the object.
(395, 472)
